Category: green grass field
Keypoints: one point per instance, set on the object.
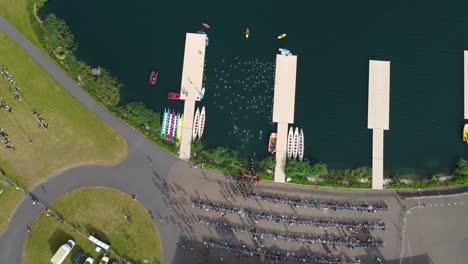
(100, 210)
(75, 135)
(15, 11)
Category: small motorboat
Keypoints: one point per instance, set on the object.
(465, 133)
(173, 96)
(272, 143)
(164, 122)
(290, 142)
(202, 93)
(282, 36)
(201, 126)
(247, 33)
(300, 152)
(205, 25)
(285, 52)
(207, 41)
(153, 77)
(296, 143)
(196, 121)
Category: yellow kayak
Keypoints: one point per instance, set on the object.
(247, 33)
(465, 133)
(282, 36)
(179, 128)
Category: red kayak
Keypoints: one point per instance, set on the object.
(173, 96)
(153, 77)
(205, 25)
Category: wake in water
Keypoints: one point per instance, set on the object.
(242, 90)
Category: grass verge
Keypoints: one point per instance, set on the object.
(98, 210)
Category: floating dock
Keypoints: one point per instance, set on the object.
(283, 108)
(465, 54)
(191, 86)
(378, 115)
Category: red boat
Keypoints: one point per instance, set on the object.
(153, 77)
(173, 96)
(205, 25)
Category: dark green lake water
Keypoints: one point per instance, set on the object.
(333, 40)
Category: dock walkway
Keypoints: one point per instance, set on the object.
(191, 86)
(283, 108)
(378, 115)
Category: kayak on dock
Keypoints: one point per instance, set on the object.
(173, 96)
(153, 77)
(282, 36)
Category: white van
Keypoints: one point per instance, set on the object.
(62, 252)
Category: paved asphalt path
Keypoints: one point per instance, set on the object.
(146, 164)
(134, 175)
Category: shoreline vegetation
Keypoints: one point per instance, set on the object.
(53, 34)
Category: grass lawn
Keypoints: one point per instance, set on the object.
(98, 210)
(15, 11)
(75, 135)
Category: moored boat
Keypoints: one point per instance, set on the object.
(173, 96)
(164, 122)
(290, 142)
(247, 33)
(196, 121)
(201, 126)
(170, 124)
(153, 78)
(179, 128)
(202, 93)
(207, 41)
(282, 36)
(301, 145)
(272, 143)
(205, 25)
(174, 126)
(465, 133)
(296, 143)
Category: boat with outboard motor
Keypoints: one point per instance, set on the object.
(153, 78)
(205, 25)
(174, 127)
(170, 124)
(272, 143)
(173, 96)
(282, 36)
(247, 33)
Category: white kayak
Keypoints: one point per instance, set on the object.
(296, 143)
(201, 126)
(301, 145)
(196, 121)
(290, 142)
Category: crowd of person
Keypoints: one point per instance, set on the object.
(5, 140)
(349, 241)
(16, 90)
(256, 215)
(273, 255)
(360, 206)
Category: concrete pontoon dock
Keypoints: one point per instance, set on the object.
(191, 85)
(378, 115)
(283, 108)
(465, 55)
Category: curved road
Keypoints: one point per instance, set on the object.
(134, 175)
(147, 164)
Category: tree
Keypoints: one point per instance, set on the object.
(319, 169)
(461, 169)
(59, 34)
(295, 168)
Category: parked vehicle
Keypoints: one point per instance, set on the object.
(89, 260)
(77, 257)
(104, 260)
(62, 252)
